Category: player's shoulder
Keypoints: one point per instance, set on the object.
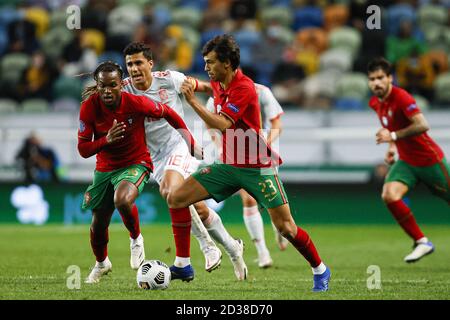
(90, 103)
(400, 93)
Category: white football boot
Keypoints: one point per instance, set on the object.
(422, 248)
(137, 252)
(237, 259)
(213, 258)
(264, 260)
(100, 269)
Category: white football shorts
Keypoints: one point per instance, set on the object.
(176, 158)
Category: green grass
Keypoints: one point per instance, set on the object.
(34, 261)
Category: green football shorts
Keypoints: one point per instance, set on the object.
(222, 181)
(435, 177)
(100, 194)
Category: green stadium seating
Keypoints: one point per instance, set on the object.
(432, 15)
(54, 41)
(123, 20)
(8, 106)
(352, 85)
(12, 67)
(281, 15)
(65, 87)
(185, 16)
(347, 38)
(35, 106)
(442, 88)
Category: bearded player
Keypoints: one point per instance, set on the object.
(420, 159)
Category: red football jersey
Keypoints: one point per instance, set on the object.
(96, 119)
(394, 114)
(243, 143)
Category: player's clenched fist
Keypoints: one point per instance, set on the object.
(115, 133)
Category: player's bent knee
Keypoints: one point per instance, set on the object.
(175, 201)
(389, 197)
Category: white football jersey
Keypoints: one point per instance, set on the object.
(165, 88)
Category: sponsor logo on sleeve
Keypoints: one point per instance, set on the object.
(232, 107)
(82, 126)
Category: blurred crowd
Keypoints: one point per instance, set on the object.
(313, 54)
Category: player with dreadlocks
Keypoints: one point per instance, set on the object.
(112, 127)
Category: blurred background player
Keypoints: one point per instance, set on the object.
(238, 117)
(115, 120)
(420, 159)
(172, 159)
(271, 112)
(40, 163)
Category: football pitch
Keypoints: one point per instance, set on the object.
(43, 263)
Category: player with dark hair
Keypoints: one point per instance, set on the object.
(172, 159)
(271, 112)
(420, 159)
(112, 128)
(247, 161)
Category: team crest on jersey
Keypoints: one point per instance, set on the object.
(390, 113)
(218, 108)
(205, 170)
(130, 121)
(163, 95)
(384, 120)
(82, 126)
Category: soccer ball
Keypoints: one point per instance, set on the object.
(153, 275)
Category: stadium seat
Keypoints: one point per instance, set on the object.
(137, 3)
(442, 88)
(396, 14)
(192, 36)
(40, 18)
(422, 102)
(432, 15)
(35, 106)
(321, 84)
(313, 39)
(12, 66)
(123, 20)
(187, 16)
(336, 59)
(347, 104)
(113, 56)
(347, 38)
(308, 16)
(54, 41)
(198, 4)
(94, 39)
(280, 15)
(335, 15)
(8, 106)
(67, 87)
(66, 105)
(58, 18)
(352, 85)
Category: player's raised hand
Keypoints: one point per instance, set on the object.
(383, 135)
(116, 132)
(188, 90)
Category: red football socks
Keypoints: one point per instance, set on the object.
(99, 244)
(181, 226)
(405, 219)
(303, 243)
(131, 222)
